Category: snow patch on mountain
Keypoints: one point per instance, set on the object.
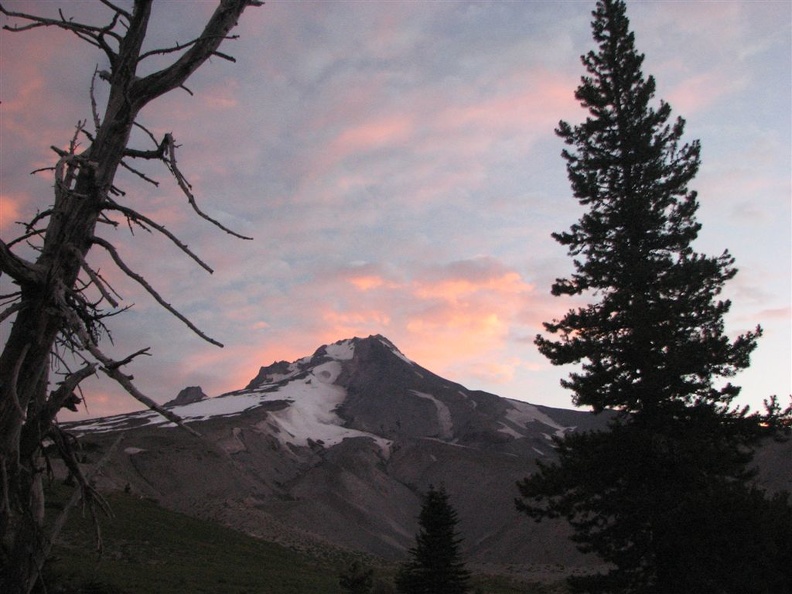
(522, 413)
(396, 352)
(303, 400)
(218, 407)
(443, 414)
(311, 414)
(222, 406)
(341, 351)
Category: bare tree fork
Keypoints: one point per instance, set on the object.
(61, 300)
(97, 280)
(19, 269)
(112, 369)
(85, 493)
(9, 311)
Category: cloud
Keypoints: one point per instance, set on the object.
(397, 167)
(9, 212)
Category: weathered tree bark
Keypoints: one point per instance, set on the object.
(50, 308)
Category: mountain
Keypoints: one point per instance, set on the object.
(334, 449)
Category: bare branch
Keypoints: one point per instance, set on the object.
(86, 492)
(31, 232)
(111, 369)
(63, 392)
(226, 56)
(118, 10)
(95, 278)
(91, 34)
(22, 271)
(94, 108)
(127, 384)
(147, 132)
(142, 282)
(133, 214)
(158, 153)
(140, 174)
(12, 382)
(130, 358)
(187, 189)
(10, 310)
(220, 24)
(168, 50)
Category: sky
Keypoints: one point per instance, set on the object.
(396, 165)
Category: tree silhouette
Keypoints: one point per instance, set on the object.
(61, 300)
(357, 579)
(653, 348)
(435, 566)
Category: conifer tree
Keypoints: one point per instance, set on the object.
(435, 565)
(654, 495)
(357, 579)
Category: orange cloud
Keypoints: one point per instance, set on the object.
(455, 289)
(465, 313)
(368, 282)
(9, 211)
(353, 323)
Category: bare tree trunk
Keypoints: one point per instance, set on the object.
(50, 309)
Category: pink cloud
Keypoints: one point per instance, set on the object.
(10, 209)
(442, 316)
(778, 313)
(535, 100)
(696, 93)
(376, 133)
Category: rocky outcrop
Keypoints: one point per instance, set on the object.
(188, 395)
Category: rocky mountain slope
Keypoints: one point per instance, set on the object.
(336, 448)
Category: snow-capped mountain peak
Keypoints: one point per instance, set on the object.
(362, 387)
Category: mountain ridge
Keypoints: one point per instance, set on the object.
(337, 447)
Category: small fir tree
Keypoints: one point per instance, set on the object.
(654, 496)
(357, 579)
(435, 565)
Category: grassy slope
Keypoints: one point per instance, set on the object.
(150, 550)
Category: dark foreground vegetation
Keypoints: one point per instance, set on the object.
(150, 550)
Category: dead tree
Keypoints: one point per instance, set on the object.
(60, 302)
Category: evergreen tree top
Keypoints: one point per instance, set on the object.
(435, 565)
(660, 495)
(656, 336)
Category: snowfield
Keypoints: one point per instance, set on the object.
(309, 416)
(443, 414)
(523, 413)
(312, 397)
